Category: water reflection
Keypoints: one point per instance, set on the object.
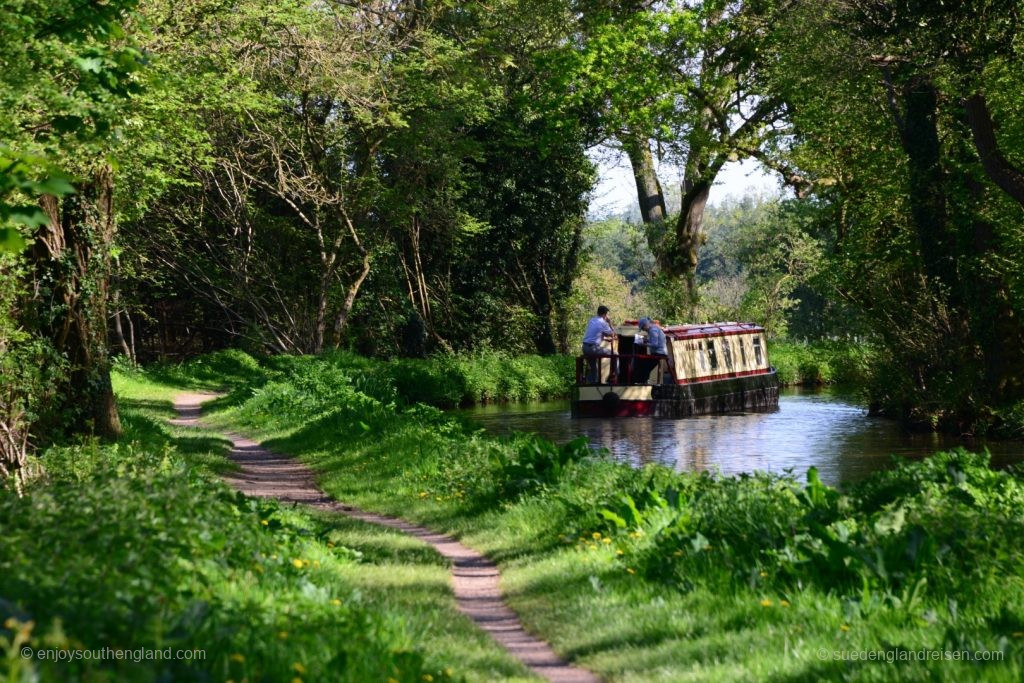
(819, 428)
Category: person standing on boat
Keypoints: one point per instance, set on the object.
(599, 329)
(656, 346)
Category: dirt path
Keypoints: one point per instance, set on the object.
(474, 577)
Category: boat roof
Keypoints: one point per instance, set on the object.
(696, 331)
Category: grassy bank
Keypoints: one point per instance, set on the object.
(445, 381)
(137, 545)
(824, 362)
(654, 575)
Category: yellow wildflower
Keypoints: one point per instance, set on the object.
(297, 563)
(766, 603)
(265, 522)
(764, 574)
(428, 677)
(596, 534)
(619, 552)
(336, 602)
(630, 570)
(299, 668)
(678, 553)
(296, 680)
(606, 540)
(844, 627)
(238, 657)
(784, 603)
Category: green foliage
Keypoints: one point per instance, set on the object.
(908, 539)
(482, 377)
(68, 69)
(537, 463)
(847, 364)
(142, 550)
(920, 225)
(758, 257)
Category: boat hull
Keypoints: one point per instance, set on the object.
(752, 393)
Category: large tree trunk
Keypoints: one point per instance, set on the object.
(928, 204)
(72, 257)
(690, 234)
(1004, 174)
(648, 188)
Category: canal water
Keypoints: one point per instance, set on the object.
(819, 428)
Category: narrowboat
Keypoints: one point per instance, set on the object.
(710, 368)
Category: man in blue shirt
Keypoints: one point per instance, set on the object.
(656, 346)
(598, 331)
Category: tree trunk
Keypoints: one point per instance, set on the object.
(928, 205)
(350, 299)
(648, 188)
(998, 168)
(118, 330)
(72, 258)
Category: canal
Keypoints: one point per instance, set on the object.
(819, 428)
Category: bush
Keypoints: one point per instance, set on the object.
(482, 377)
(913, 535)
(824, 362)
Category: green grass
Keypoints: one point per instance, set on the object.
(707, 578)
(823, 362)
(138, 545)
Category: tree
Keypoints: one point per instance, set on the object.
(69, 70)
(686, 77)
(882, 99)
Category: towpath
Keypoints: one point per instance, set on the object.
(475, 579)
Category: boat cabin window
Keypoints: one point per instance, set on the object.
(743, 351)
(712, 356)
(758, 356)
(700, 354)
(727, 353)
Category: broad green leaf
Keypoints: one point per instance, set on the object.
(11, 241)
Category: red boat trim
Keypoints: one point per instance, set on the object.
(725, 375)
